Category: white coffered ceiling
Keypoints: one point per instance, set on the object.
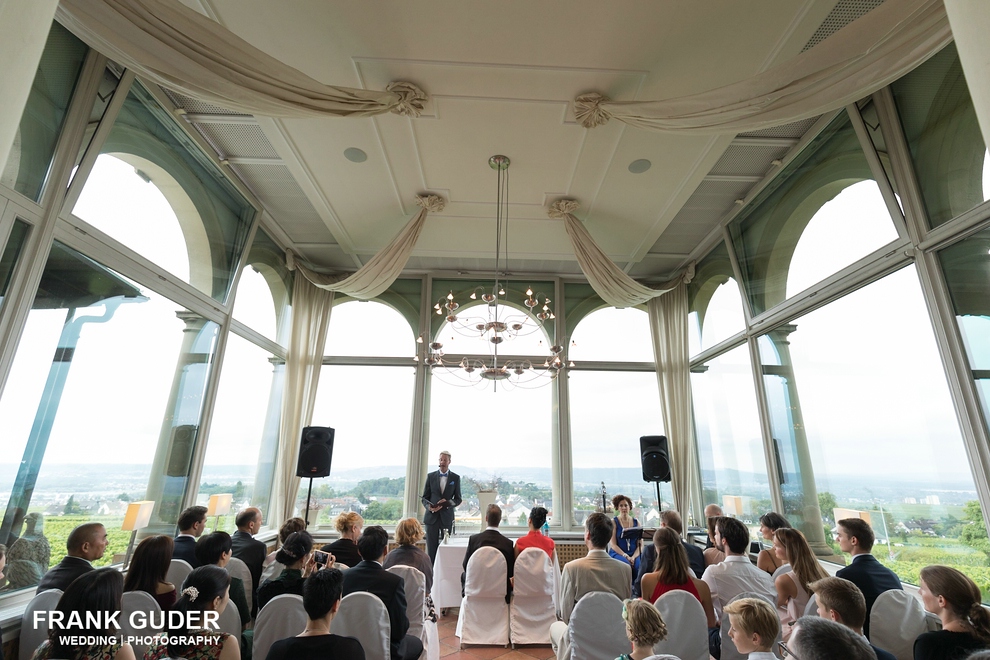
(501, 78)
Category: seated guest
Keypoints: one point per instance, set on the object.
(696, 558)
(793, 590)
(215, 550)
(205, 590)
(86, 543)
(321, 599)
(407, 534)
(955, 600)
(855, 536)
(95, 591)
(493, 538)
(534, 537)
(246, 548)
(842, 601)
(296, 555)
(753, 627)
(272, 569)
(344, 549)
(711, 511)
(191, 524)
(768, 560)
(671, 572)
(624, 548)
(149, 568)
(815, 638)
(370, 576)
(644, 628)
(712, 554)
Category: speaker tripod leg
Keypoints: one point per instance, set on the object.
(309, 494)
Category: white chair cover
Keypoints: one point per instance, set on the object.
(687, 626)
(32, 636)
(230, 620)
(419, 625)
(783, 568)
(272, 571)
(556, 581)
(363, 615)
(811, 609)
(484, 615)
(281, 617)
(596, 629)
(178, 571)
(729, 651)
(238, 569)
(896, 620)
(532, 609)
(138, 601)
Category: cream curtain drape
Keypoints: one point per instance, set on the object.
(669, 327)
(172, 45)
(869, 53)
(379, 273)
(310, 320)
(614, 286)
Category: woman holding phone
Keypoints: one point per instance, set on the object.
(298, 557)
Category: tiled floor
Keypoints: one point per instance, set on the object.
(449, 643)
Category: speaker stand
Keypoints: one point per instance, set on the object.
(659, 501)
(309, 494)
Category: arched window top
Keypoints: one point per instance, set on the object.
(715, 302)
(263, 290)
(369, 329)
(613, 335)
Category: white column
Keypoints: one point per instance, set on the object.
(970, 22)
(24, 27)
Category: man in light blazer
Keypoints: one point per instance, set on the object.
(440, 496)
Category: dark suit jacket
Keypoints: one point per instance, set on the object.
(696, 559)
(883, 655)
(185, 549)
(432, 495)
(872, 578)
(62, 575)
(252, 553)
(494, 539)
(390, 588)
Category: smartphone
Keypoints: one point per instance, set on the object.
(321, 557)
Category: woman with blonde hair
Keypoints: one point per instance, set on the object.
(344, 549)
(672, 572)
(793, 592)
(408, 533)
(644, 628)
(955, 599)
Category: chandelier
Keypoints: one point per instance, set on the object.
(499, 321)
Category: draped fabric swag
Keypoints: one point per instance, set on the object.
(869, 53)
(172, 45)
(669, 328)
(310, 320)
(378, 274)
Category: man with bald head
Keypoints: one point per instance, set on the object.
(247, 549)
(86, 543)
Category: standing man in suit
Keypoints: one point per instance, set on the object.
(696, 558)
(86, 543)
(493, 538)
(370, 576)
(856, 537)
(249, 551)
(440, 496)
(191, 524)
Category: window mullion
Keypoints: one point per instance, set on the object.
(879, 173)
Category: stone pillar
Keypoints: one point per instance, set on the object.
(970, 22)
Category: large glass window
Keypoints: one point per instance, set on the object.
(944, 136)
(828, 192)
(102, 406)
(153, 190)
(714, 300)
(11, 253)
(263, 290)
(840, 382)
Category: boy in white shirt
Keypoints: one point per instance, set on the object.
(753, 627)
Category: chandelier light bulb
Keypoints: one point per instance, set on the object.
(501, 291)
(419, 340)
(474, 296)
(529, 292)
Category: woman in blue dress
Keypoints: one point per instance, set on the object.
(623, 549)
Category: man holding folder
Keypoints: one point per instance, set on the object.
(440, 496)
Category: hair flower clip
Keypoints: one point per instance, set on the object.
(192, 592)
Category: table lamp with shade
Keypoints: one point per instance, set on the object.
(219, 506)
(137, 517)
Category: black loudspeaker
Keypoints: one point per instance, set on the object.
(656, 459)
(315, 452)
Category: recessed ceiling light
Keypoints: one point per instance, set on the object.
(640, 166)
(355, 155)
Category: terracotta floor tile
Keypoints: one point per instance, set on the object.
(541, 652)
(447, 649)
(486, 652)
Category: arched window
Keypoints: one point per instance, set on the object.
(716, 311)
(263, 290)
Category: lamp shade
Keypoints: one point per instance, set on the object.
(138, 515)
(219, 504)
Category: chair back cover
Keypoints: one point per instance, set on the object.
(687, 626)
(783, 568)
(178, 571)
(238, 569)
(596, 629)
(896, 620)
(138, 601)
(532, 609)
(363, 615)
(281, 617)
(811, 609)
(484, 615)
(729, 651)
(272, 571)
(32, 636)
(419, 625)
(230, 620)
